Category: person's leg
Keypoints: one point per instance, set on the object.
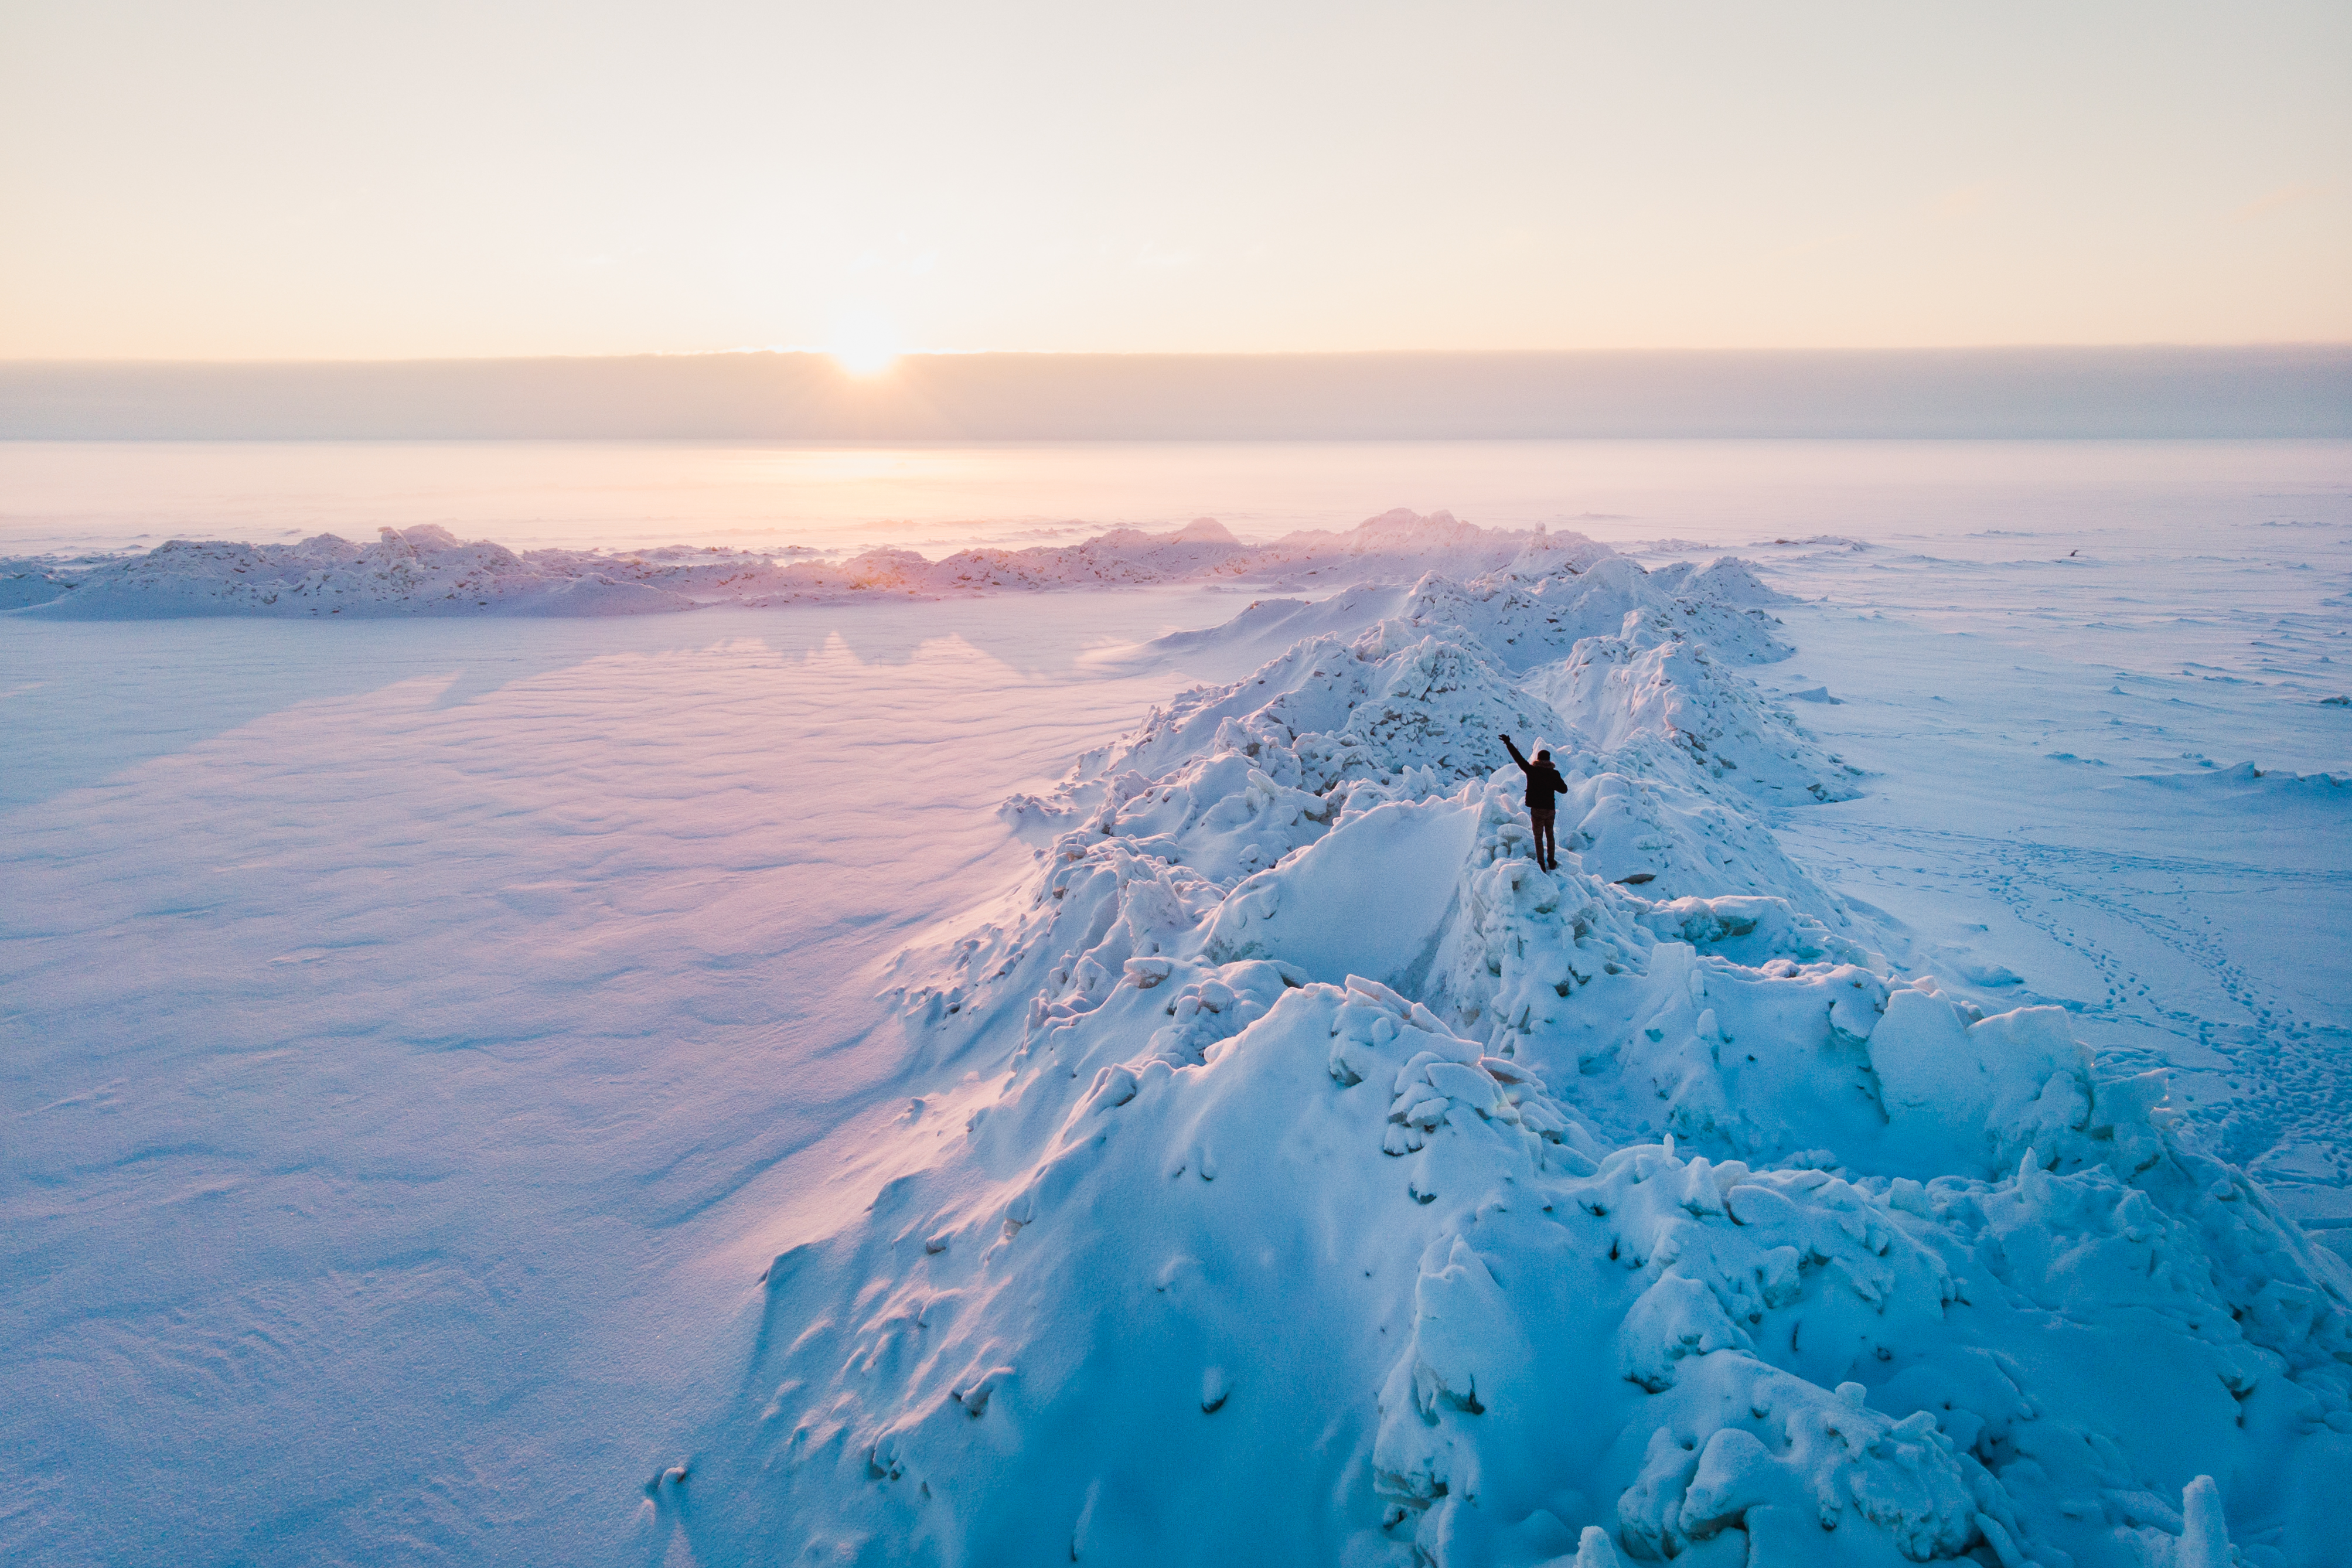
(1547, 851)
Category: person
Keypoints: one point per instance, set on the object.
(1543, 783)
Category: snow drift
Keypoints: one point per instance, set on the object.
(1311, 1177)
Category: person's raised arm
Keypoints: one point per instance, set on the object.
(1523, 765)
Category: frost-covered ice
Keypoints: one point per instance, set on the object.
(1284, 1169)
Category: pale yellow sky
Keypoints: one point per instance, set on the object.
(285, 180)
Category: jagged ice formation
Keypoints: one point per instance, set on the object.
(1313, 1178)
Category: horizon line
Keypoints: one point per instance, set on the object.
(2047, 390)
(790, 351)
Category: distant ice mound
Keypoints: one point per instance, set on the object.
(1395, 545)
(421, 570)
(1399, 543)
(1311, 1178)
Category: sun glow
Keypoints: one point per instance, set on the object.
(864, 346)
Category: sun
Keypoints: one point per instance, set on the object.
(864, 346)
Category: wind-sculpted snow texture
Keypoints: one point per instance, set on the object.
(1314, 1179)
(428, 571)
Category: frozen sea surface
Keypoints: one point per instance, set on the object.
(77, 496)
(2116, 775)
(417, 1034)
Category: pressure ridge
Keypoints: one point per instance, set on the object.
(1301, 1174)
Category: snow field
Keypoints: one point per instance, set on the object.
(2090, 789)
(388, 1068)
(1325, 1181)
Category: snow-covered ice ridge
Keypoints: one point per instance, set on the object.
(1311, 1178)
(428, 571)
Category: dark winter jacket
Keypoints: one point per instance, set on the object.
(1543, 780)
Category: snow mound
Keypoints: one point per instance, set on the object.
(1394, 701)
(1268, 627)
(1206, 530)
(1528, 620)
(37, 585)
(1314, 1178)
(2262, 787)
(1651, 690)
(1122, 556)
(1558, 590)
